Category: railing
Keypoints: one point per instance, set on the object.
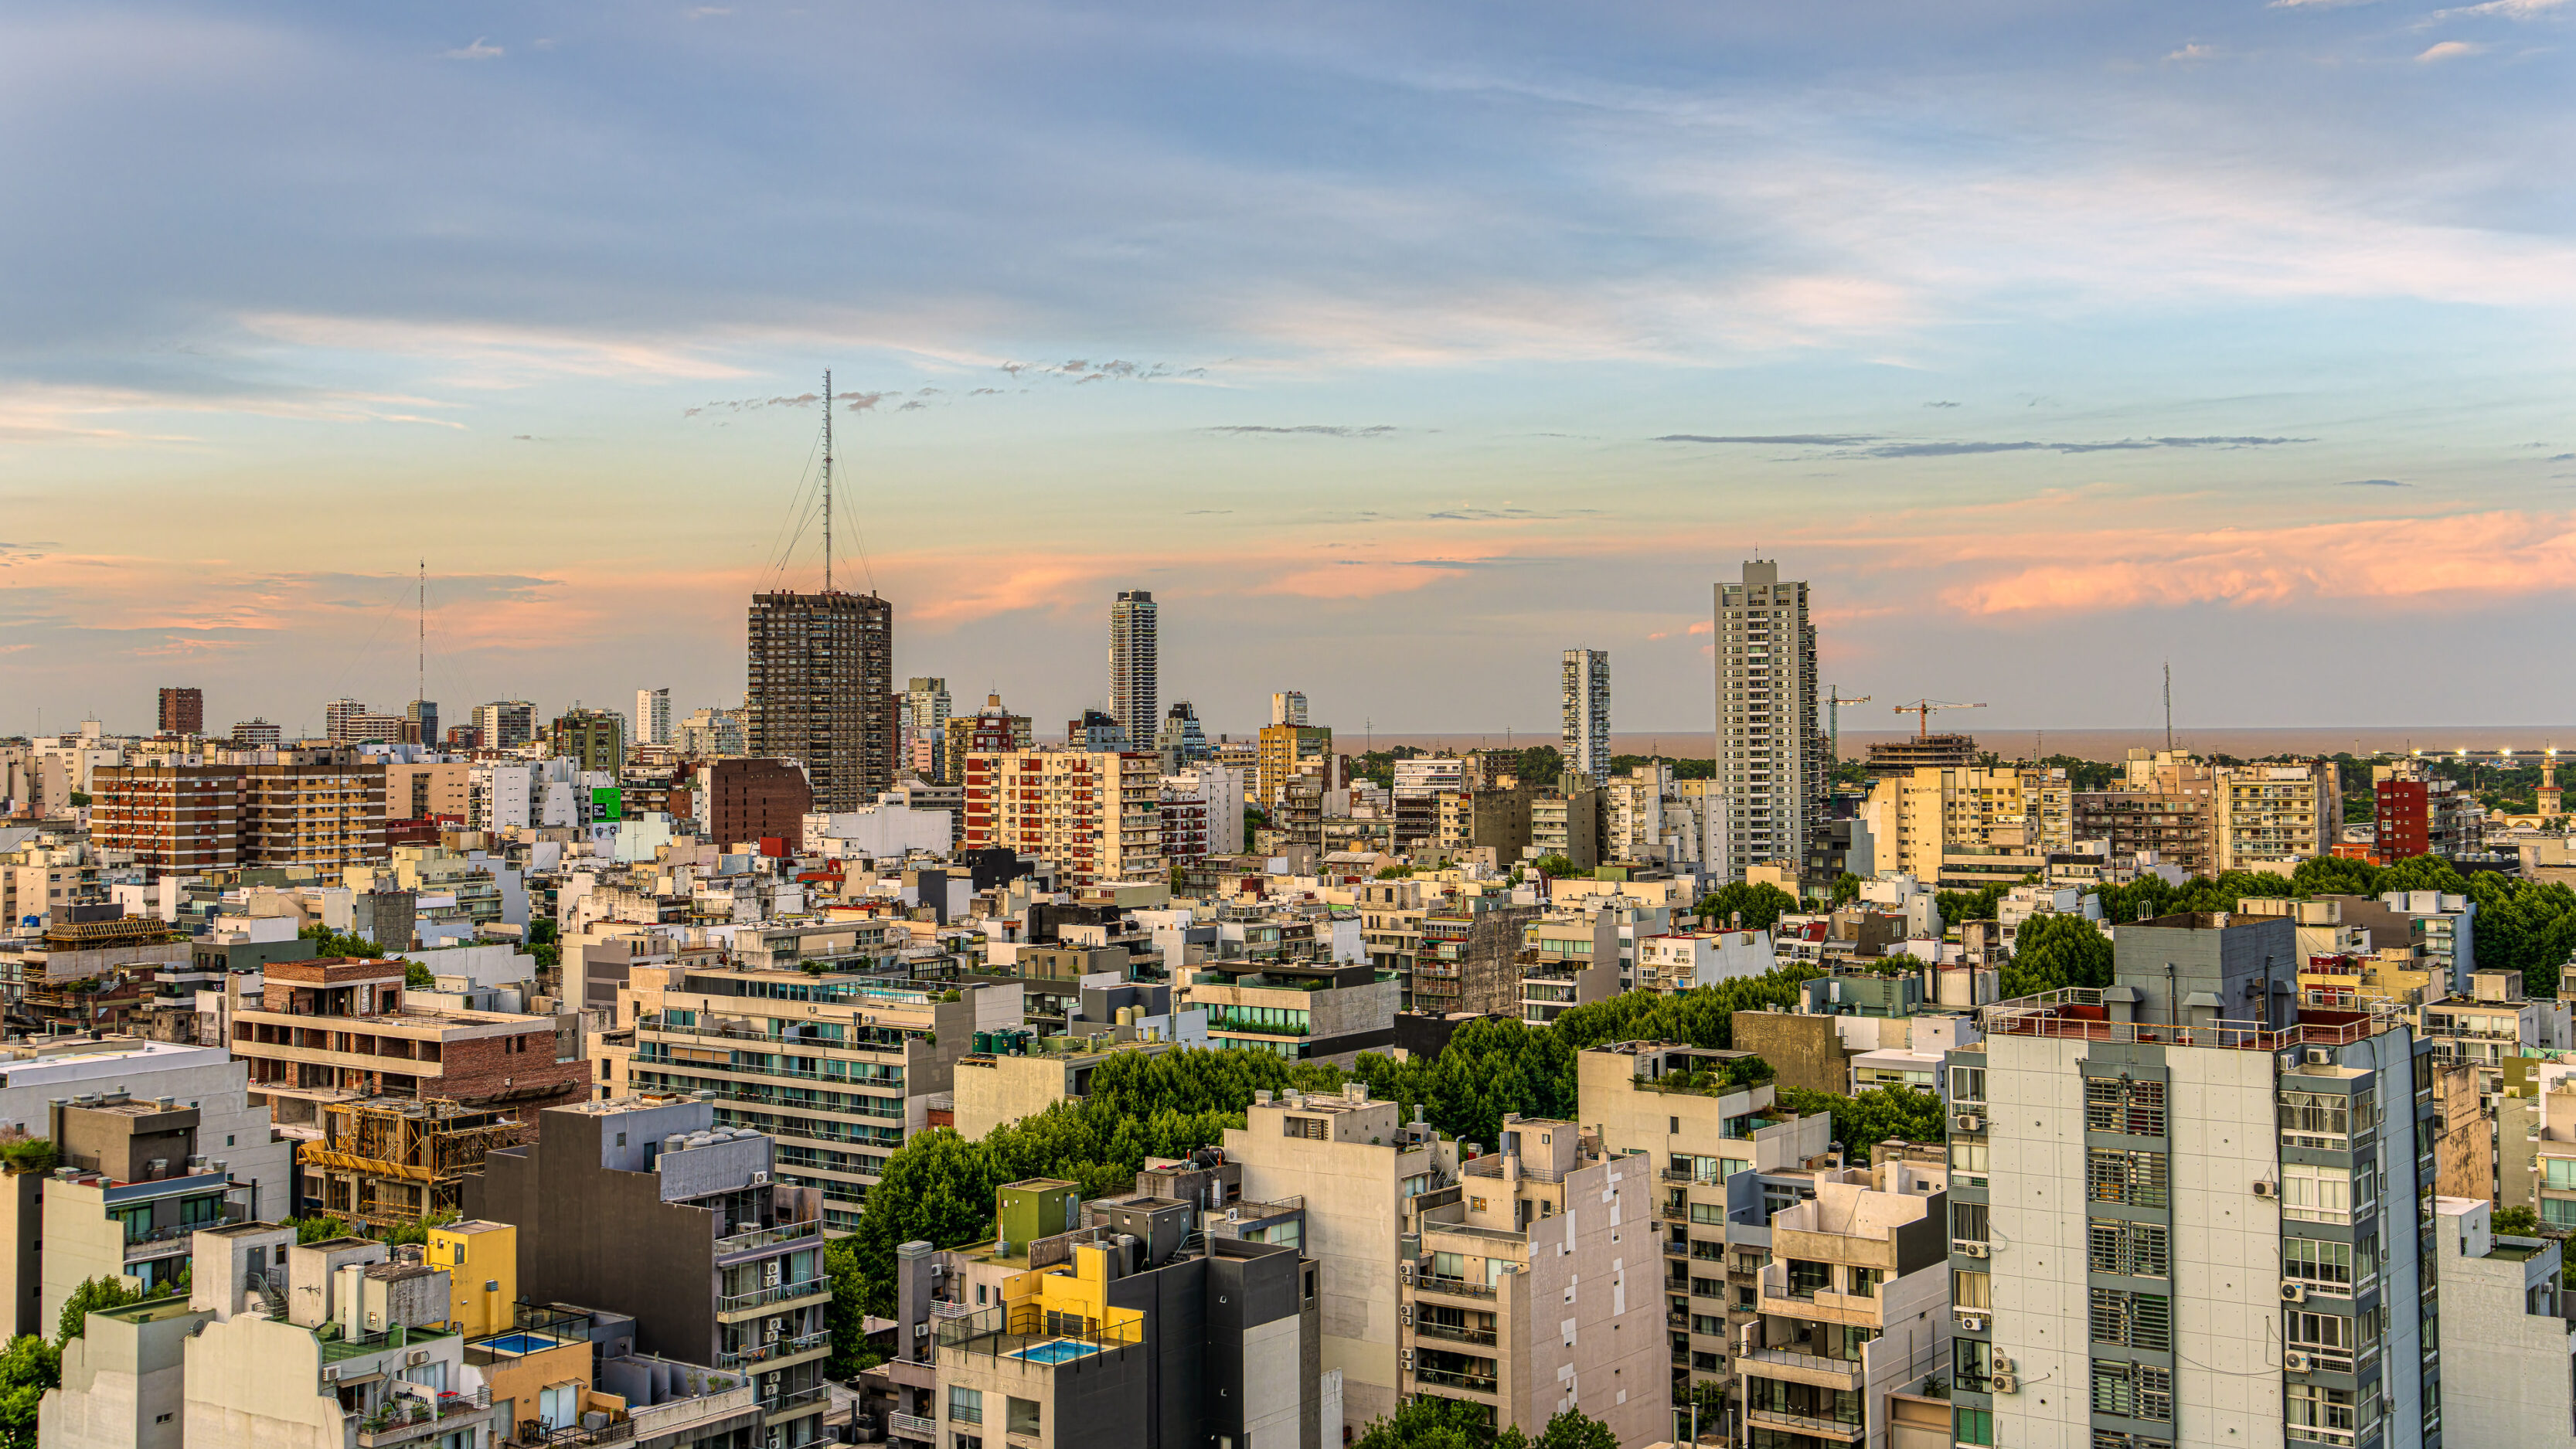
(1838, 1428)
(768, 1237)
(1433, 1283)
(1455, 1333)
(413, 1416)
(2036, 1016)
(794, 1399)
(1443, 1378)
(779, 1293)
(913, 1426)
(1790, 1357)
(783, 1348)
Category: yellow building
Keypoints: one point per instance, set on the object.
(1920, 820)
(482, 1263)
(1286, 749)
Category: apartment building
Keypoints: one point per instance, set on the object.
(324, 809)
(1286, 751)
(1568, 960)
(1565, 820)
(647, 1206)
(2167, 802)
(1527, 1288)
(505, 724)
(1135, 671)
(1634, 824)
(838, 1065)
(1391, 914)
(2278, 814)
(1710, 1119)
(1855, 1306)
(177, 819)
(339, 1029)
(2505, 1377)
(1493, 818)
(1305, 1010)
(822, 691)
(1926, 820)
(2249, 1262)
(2492, 1023)
(182, 710)
(1355, 1164)
(1686, 960)
(1469, 959)
(134, 1187)
(740, 802)
(998, 1086)
(2419, 811)
(1771, 765)
(1110, 1323)
(2551, 1175)
(989, 731)
(1585, 704)
(1092, 814)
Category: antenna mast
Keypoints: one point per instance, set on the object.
(2168, 706)
(420, 662)
(827, 480)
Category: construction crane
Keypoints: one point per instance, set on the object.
(1834, 701)
(1922, 709)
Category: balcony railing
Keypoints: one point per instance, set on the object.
(1454, 1333)
(782, 1348)
(1791, 1358)
(816, 1288)
(1443, 1378)
(913, 1426)
(1805, 1423)
(1433, 1283)
(768, 1237)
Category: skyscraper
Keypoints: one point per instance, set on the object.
(1587, 713)
(1771, 761)
(822, 691)
(652, 716)
(420, 719)
(1135, 681)
(505, 724)
(1288, 707)
(183, 711)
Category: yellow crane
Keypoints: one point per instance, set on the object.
(1922, 710)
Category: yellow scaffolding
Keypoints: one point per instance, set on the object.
(388, 1160)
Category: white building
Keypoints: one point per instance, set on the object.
(500, 796)
(877, 832)
(2505, 1350)
(1684, 961)
(1585, 705)
(1425, 776)
(1135, 671)
(1220, 790)
(1771, 765)
(652, 716)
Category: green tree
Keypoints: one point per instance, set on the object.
(318, 1228)
(1877, 1115)
(94, 1295)
(1554, 867)
(2053, 951)
(29, 1154)
(328, 942)
(1846, 888)
(1573, 1430)
(848, 1311)
(417, 1230)
(1395, 872)
(2517, 1222)
(419, 977)
(28, 1367)
(1746, 907)
(1430, 1422)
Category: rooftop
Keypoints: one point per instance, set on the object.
(2077, 1012)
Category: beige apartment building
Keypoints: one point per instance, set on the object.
(2278, 814)
(1357, 1165)
(1528, 1288)
(421, 791)
(320, 808)
(1691, 1111)
(996, 1088)
(1092, 814)
(1927, 817)
(1855, 1305)
(1287, 750)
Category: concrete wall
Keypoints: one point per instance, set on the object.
(1005, 1089)
(124, 1385)
(256, 1382)
(1807, 1051)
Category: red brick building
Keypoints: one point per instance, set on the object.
(340, 1029)
(183, 711)
(748, 800)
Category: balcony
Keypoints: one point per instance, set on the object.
(768, 1237)
(1802, 1368)
(1442, 1378)
(914, 1427)
(772, 1352)
(810, 1291)
(1456, 1287)
(1803, 1424)
(407, 1417)
(1454, 1333)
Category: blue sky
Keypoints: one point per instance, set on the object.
(1396, 349)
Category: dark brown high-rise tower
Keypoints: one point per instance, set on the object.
(183, 711)
(822, 691)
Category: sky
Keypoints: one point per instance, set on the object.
(1396, 349)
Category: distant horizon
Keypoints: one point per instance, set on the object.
(2081, 743)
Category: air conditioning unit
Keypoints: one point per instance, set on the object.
(921, 1330)
(2296, 1363)
(771, 1272)
(2294, 1291)
(2320, 1056)
(1973, 1323)
(1968, 1122)
(1977, 1250)
(760, 1179)
(2004, 1384)
(1404, 1314)
(2267, 1189)
(416, 1358)
(2003, 1365)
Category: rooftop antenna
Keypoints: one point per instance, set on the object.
(420, 661)
(2168, 706)
(827, 480)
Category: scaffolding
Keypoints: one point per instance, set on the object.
(389, 1160)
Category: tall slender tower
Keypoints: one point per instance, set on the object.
(821, 677)
(653, 716)
(1771, 764)
(1135, 683)
(1587, 713)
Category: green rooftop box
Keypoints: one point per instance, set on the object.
(1039, 1207)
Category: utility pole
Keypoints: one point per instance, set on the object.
(827, 480)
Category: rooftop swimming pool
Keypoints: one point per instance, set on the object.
(1057, 1351)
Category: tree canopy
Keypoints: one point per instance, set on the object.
(1747, 907)
(28, 1367)
(1432, 1422)
(94, 1295)
(2054, 951)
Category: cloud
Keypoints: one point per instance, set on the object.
(1801, 440)
(2373, 483)
(477, 51)
(1320, 430)
(2194, 51)
(1702, 626)
(1082, 370)
(2450, 50)
(709, 12)
(2461, 559)
(2509, 9)
(1940, 405)
(2315, 4)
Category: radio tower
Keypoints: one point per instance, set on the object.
(827, 480)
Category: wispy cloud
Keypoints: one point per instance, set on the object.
(1795, 440)
(2374, 483)
(2450, 50)
(2194, 51)
(1319, 430)
(1868, 445)
(479, 50)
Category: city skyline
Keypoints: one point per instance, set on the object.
(2024, 343)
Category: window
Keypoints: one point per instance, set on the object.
(2560, 1172)
(1863, 1281)
(1971, 1290)
(2325, 1267)
(1807, 1279)
(965, 1405)
(2320, 1415)
(1968, 1222)
(2315, 1119)
(1972, 1359)
(2135, 1250)
(2135, 1178)
(2133, 1320)
(1968, 1085)
(2330, 1338)
(1972, 1426)
(2132, 1390)
(2316, 1194)
(1311, 1128)
(1713, 1324)
(1968, 1159)
(2558, 1212)
(1024, 1416)
(2136, 1109)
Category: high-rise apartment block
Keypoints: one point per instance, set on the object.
(2277, 814)
(594, 739)
(2420, 811)
(921, 726)
(822, 691)
(420, 722)
(1771, 760)
(505, 724)
(990, 730)
(321, 808)
(653, 717)
(1288, 707)
(183, 710)
(256, 734)
(1288, 750)
(713, 733)
(1586, 701)
(1135, 675)
(1092, 814)
(2186, 1210)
